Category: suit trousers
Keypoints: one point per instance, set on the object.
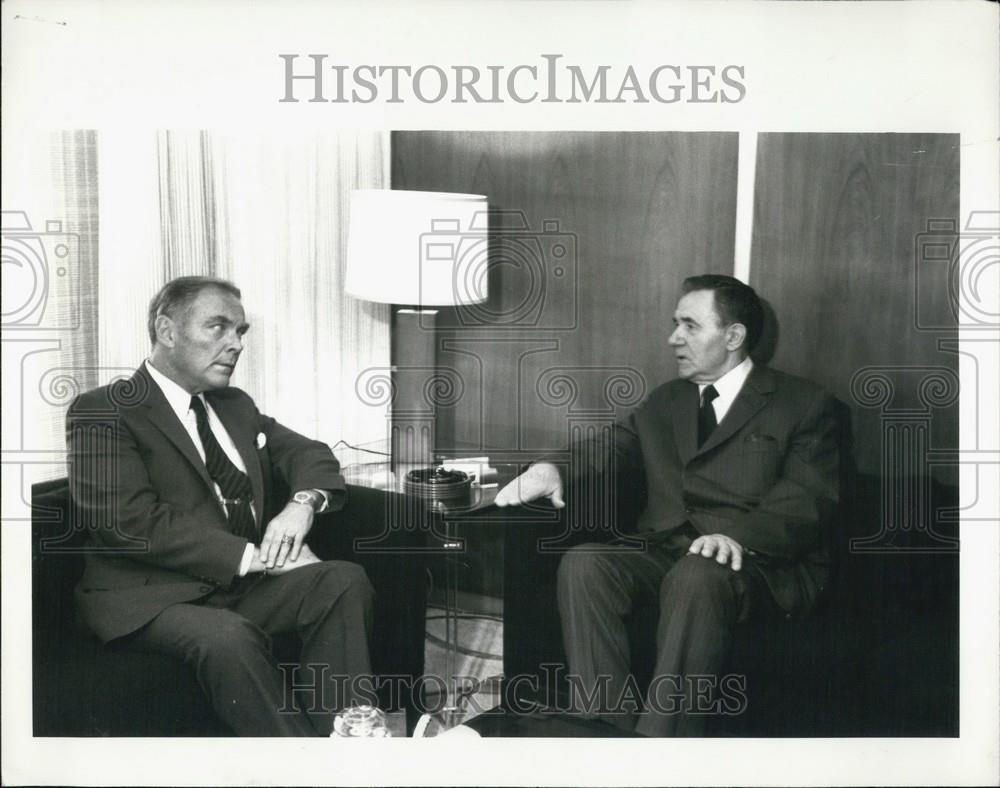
(226, 638)
(700, 602)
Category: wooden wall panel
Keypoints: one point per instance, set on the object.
(837, 230)
(643, 211)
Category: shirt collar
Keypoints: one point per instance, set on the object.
(729, 385)
(178, 399)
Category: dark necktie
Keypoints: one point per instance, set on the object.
(232, 481)
(706, 414)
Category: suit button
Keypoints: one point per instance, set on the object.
(688, 510)
(205, 589)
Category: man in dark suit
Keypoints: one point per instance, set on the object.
(740, 467)
(193, 552)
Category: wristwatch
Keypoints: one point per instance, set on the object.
(310, 498)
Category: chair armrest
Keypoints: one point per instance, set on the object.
(56, 557)
(372, 522)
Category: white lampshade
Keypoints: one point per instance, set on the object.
(419, 248)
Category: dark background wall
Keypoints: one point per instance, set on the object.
(838, 220)
(632, 213)
(838, 223)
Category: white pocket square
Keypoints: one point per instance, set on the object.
(261, 440)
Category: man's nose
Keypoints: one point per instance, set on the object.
(674, 338)
(235, 343)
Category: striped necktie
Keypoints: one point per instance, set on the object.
(234, 484)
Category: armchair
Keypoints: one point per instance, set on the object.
(84, 688)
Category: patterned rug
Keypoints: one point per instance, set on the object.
(478, 663)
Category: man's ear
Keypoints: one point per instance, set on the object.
(736, 335)
(165, 331)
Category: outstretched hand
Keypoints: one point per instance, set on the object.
(541, 480)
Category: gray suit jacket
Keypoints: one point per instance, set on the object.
(157, 532)
(768, 477)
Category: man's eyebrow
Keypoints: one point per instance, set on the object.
(225, 320)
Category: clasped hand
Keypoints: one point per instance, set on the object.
(723, 548)
(284, 547)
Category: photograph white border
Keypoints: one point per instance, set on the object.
(823, 66)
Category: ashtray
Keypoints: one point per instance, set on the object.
(437, 484)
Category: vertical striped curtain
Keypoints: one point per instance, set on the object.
(280, 233)
(49, 331)
(267, 211)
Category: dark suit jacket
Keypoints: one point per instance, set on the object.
(767, 477)
(158, 534)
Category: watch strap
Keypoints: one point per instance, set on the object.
(310, 498)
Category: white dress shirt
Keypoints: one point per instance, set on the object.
(728, 386)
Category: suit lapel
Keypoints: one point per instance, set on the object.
(685, 416)
(752, 397)
(243, 435)
(162, 416)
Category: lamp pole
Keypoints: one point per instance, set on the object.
(414, 361)
(416, 250)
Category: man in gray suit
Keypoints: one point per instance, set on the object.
(740, 467)
(198, 507)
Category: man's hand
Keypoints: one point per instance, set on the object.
(539, 481)
(725, 550)
(286, 535)
(306, 557)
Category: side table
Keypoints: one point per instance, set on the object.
(441, 523)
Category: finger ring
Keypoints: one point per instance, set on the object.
(287, 540)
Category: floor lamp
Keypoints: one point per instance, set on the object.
(417, 251)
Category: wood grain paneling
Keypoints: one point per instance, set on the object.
(635, 212)
(838, 221)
